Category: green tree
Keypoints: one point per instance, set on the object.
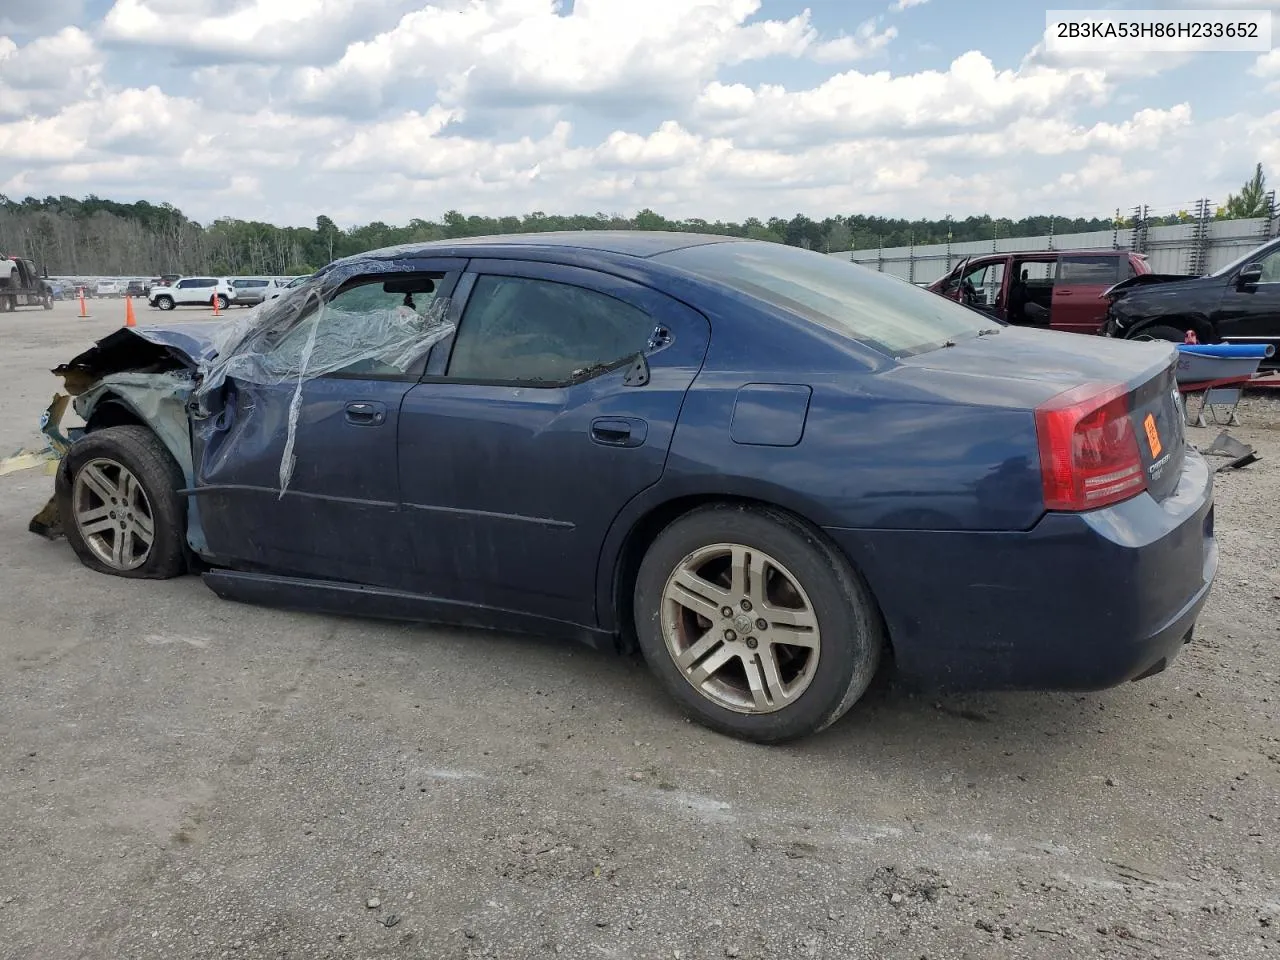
(1252, 199)
(327, 234)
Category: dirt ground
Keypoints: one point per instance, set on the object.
(185, 777)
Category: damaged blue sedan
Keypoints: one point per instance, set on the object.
(767, 469)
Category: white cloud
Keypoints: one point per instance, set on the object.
(899, 5)
(1148, 129)
(864, 42)
(263, 31)
(1267, 66)
(971, 93)
(366, 111)
(1095, 172)
(613, 53)
(47, 72)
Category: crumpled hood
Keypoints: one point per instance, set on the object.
(194, 340)
(1145, 284)
(187, 346)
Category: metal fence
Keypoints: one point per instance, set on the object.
(1200, 245)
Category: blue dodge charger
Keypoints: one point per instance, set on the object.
(769, 469)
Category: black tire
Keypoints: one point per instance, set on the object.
(164, 303)
(1160, 331)
(48, 303)
(139, 451)
(223, 302)
(852, 636)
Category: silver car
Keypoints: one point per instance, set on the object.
(251, 291)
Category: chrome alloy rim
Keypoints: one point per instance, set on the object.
(113, 514)
(741, 628)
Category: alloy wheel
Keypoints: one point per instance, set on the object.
(740, 628)
(113, 514)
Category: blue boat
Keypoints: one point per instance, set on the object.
(1208, 362)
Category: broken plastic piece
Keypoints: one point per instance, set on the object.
(1244, 461)
(1225, 445)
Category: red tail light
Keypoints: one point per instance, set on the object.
(1089, 454)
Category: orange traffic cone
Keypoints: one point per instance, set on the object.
(216, 312)
(84, 309)
(129, 319)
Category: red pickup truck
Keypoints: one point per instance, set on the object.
(1059, 289)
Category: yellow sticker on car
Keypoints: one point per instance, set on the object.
(1153, 435)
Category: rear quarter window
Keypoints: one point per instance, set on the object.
(1089, 270)
(885, 313)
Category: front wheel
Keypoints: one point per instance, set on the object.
(118, 500)
(755, 625)
(222, 301)
(1162, 332)
(164, 303)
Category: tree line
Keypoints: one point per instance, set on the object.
(70, 237)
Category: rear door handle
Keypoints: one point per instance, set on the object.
(366, 413)
(1063, 293)
(619, 431)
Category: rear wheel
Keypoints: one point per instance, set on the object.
(164, 303)
(118, 500)
(754, 624)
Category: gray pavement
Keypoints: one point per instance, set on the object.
(186, 777)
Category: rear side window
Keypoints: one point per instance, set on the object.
(522, 330)
(887, 314)
(1089, 270)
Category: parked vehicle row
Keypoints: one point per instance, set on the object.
(1115, 293)
(201, 291)
(171, 290)
(1239, 303)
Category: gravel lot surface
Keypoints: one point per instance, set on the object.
(186, 777)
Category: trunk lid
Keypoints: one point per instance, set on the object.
(1156, 412)
(1024, 368)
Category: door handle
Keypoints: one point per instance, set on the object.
(1062, 293)
(366, 413)
(619, 431)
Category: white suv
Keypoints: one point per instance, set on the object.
(192, 292)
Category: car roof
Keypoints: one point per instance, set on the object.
(634, 243)
(1081, 251)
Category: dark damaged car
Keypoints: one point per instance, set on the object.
(1239, 303)
(767, 468)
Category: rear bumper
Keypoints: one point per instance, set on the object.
(1079, 602)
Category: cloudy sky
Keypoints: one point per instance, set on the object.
(394, 109)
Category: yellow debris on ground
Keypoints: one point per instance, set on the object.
(27, 460)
